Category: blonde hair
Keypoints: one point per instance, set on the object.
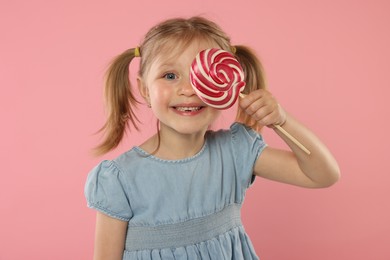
(119, 96)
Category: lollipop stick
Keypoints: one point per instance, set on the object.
(292, 138)
(295, 141)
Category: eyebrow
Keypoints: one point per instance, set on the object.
(165, 65)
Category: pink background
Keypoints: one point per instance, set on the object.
(326, 61)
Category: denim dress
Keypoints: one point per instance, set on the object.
(181, 209)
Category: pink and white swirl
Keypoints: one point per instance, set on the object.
(217, 78)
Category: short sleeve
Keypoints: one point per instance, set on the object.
(106, 191)
(247, 146)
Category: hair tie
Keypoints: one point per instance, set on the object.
(233, 49)
(137, 52)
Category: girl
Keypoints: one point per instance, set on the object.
(178, 195)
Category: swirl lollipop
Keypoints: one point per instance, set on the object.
(217, 78)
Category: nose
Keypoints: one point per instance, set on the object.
(186, 88)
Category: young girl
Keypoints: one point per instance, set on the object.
(178, 195)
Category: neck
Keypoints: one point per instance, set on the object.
(175, 146)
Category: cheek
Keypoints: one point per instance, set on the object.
(160, 95)
(212, 113)
(216, 113)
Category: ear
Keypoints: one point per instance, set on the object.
(143, 90)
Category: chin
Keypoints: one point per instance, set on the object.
(191, 130)
(185, 129)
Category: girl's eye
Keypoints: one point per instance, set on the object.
(170, 76)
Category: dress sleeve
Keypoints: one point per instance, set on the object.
(247, 146)
(106, 191)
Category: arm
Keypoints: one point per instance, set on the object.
(317, 170)
(109, 238)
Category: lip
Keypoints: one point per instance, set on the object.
(188, 109)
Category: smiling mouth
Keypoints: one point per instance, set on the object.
(188, 109)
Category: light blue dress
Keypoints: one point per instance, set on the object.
(181, 209)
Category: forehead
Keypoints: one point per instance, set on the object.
(171, 51)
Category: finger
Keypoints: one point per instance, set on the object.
(271, 119)
(276, 117)
(256, 101)
(264, 116)
(265, 111)
(255, 106)
(246, 101)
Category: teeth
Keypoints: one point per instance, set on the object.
(188, 109)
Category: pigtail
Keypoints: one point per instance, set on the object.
(120, 103)
(254, 77)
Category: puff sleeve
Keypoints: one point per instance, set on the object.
(247, 146)
(106, 191)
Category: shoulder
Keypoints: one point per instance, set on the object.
(107, 190)
(235, 133)
(128, 162)
(240, 130)
(106, 172)
(111, 174)
(239, 140)
(105, 167)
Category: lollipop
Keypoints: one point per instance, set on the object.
(217, 78)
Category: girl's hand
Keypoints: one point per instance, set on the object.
(263, 107)
(315, 170)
